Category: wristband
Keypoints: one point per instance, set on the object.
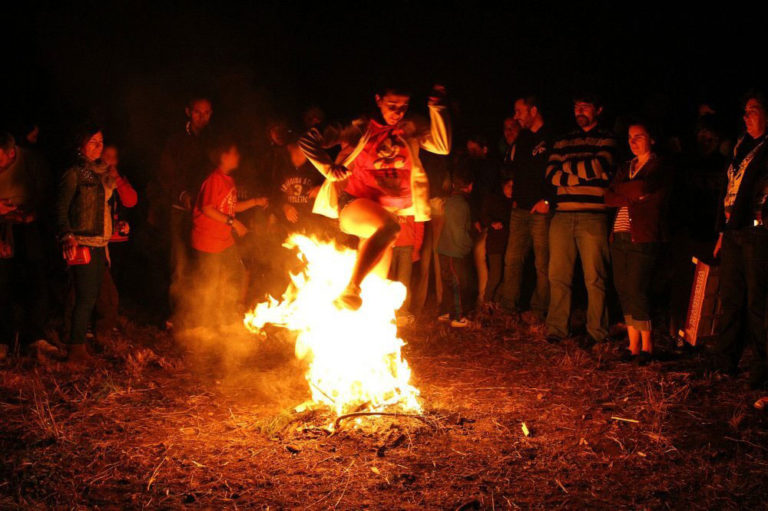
(230, 220)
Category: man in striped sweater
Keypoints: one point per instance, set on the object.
(580, 166)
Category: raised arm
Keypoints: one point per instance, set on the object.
(438, 139)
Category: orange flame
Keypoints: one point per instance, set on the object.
(354, 356)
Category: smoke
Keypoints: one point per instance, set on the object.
(211, 296)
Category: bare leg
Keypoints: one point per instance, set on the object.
(647, 340)
(634, 339)
(377, 229)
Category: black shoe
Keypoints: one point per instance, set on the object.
(627, 356)
(554, 339)
(585, 342)
(644, 358)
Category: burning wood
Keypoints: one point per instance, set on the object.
(354, 356)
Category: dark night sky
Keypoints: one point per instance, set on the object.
(131, 63)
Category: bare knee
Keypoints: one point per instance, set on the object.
(390, 229)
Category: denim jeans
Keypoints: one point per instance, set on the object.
(526, 229)
(23, 280)
(633, 265)
(743, 290)
(584, 235)
(87, 279)
(454, 272)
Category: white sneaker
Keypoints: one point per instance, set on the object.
(42, 348)
(460, 323)
(444, 318)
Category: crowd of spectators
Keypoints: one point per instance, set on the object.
(603, 217)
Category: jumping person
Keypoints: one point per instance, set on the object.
(381, 177)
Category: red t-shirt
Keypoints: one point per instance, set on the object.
(209, 235)
(382, 170)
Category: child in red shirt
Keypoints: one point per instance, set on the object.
(213, 220)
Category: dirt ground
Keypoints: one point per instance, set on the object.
(510, 422)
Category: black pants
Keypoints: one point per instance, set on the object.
(23, 281)
(633, 265)
(743, 289)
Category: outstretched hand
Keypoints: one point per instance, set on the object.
(338, 172)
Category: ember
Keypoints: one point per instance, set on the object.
(354, 356)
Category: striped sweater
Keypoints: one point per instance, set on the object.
(580, 167)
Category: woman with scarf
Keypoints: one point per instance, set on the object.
(377, 177)
(84, 223)
(639, 191)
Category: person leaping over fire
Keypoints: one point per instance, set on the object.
(377, 177)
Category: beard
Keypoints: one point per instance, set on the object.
(583, 120)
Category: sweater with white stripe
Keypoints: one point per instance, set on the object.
(580, 166)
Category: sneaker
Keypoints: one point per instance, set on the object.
(444, 318)
(349, 299)
(42, 349)
(460, 323)
(585, 342)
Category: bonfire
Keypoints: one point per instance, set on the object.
(354, 357)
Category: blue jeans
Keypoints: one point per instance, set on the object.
(87, 279)
(526, 229)
(584, 235)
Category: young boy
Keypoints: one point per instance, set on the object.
(494, 217)
(405, 252)
(213, 220)
(453, 248)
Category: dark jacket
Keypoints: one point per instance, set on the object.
(743, 210)
(646, 198)
(496, 208)
(81, 202)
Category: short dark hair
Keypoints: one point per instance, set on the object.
(531, 101)
(758, 96)
(478, 139)
(588, 97)
(649, 126)
(219, 146)
(7, 142)
(396, 89)
(194, 98)
(461, 178)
